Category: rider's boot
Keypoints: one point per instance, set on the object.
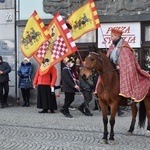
(130, 101)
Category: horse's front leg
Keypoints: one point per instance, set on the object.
(114, 108)
(105, 121)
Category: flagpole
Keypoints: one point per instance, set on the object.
(80, 57)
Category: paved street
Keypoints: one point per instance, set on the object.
(23, 128)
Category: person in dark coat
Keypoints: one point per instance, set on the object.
(45, 83)
(87, 94)
(68, 87)
(25, 83)
(5, 69)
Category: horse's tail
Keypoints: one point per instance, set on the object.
(142, 114)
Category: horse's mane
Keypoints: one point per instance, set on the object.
(104, 58)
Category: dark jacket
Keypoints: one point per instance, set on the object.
(67, 80)
(5, 67)
(24, 72)
(95, 79)
(84, 85)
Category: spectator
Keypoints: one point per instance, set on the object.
(69, 87)
(45, 83)
(75, 75)
(5, 69)
(87, 94)
(25, 82)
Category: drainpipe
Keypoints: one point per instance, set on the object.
(16, 43)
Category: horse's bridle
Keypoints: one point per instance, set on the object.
(93, 70)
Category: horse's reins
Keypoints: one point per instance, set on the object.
(93, 69)
(103, 72)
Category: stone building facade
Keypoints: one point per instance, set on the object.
(7, 41)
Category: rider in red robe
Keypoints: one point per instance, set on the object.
(134, 82)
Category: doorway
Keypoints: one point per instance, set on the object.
(145, 46)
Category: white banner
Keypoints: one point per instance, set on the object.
(131, 34)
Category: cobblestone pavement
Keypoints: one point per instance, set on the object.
(23, 128)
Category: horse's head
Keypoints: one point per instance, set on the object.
(92, 64)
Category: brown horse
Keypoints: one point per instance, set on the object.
(108, 93)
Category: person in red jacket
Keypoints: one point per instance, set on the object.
(45, 89)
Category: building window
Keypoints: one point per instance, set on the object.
(147, 33)
(146, 59)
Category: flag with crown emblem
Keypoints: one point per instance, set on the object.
(60, 45)
(84, 19)
(34, 35)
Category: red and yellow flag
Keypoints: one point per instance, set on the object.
(84, 19)
(40, 53)
(34, 35)
(60, 46)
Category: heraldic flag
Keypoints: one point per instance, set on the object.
(34, 35)
(83, 20)
(40, 53)
(60, 46)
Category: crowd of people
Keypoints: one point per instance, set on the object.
(71, 82)
(45, 85)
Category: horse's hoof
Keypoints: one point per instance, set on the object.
(147, 134)
(112, 142)
(129, 133)
(104, 141)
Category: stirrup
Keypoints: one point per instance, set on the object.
(130, 102)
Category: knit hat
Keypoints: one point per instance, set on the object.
(66, 60)
(116, 32)
(26, 59)
(72, 59)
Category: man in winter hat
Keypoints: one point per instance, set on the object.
(5, 69)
